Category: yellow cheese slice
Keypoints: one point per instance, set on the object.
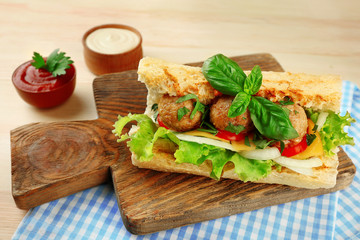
(315, 149)
(240, 145)
(205, 134)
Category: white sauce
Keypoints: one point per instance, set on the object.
(112, 40)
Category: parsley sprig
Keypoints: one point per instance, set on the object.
(56, 63)
(234, 129)
(198, 106)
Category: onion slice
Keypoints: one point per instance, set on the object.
(291, 162)
(299, 166)
(305, 171)
(261, 154)
(321, 120)
(205, 140)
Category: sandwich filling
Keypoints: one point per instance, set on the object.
(238, 128)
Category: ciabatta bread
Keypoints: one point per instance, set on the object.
(319, 92)
(164, 161)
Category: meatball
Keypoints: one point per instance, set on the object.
(299, 121)
(219, 115)
(168, 113)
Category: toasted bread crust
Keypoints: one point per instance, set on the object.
(161, 77)
(164, 161)
(320, 92)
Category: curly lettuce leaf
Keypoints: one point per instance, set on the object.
(333, 134)
(191, 152)
(247, 169)
(251, 170)
(143, 121)
(142, 141)
(333, 131)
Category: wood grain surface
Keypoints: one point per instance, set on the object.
(52, 160)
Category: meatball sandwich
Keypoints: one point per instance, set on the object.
(222, 122)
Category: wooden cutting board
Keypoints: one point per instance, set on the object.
(53, 160)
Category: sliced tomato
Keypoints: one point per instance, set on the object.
(161, 124)
(229, 135)
(296, 149)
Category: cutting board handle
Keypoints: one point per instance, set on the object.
(56, 155)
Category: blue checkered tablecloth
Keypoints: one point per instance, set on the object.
(94, 213)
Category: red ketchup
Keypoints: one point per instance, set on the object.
(40, 88)
(28, 78)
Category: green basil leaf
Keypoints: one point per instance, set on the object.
(224, 74)
(234, 129)
(187, 97)
(253, 82)
(239, 104)
(182, 112)
(270, 119)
